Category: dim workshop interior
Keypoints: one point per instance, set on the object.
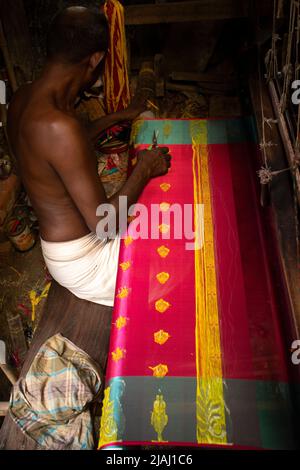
(199, 345)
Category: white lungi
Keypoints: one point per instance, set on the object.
(87, 266)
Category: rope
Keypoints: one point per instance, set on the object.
(297, 68)
(288, 68)
(263, 145)
(270, 121)
(266, 174)
(271, 57)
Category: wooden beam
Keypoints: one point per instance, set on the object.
(203, 78)
(186, 11)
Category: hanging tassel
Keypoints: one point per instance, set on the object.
(116, 81)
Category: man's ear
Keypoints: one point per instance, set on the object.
(96, 59)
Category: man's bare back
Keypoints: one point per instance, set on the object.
(35, 128)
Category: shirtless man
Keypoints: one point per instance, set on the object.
(57, 162)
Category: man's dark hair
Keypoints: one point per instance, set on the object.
(77, 33)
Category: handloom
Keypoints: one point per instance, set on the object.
(197, 353)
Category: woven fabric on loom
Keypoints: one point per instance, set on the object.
(197, 353)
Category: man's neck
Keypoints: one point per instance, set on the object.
(63, 82)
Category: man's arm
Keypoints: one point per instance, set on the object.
(94, 128)
(72, 158)
(134, 110)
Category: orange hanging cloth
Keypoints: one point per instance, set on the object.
(116, 82)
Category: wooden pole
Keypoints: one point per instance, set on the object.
(18, 41)
(7, 59)
(3, 120)
(4, 405)
(10, 373)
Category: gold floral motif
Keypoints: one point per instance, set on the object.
(135, 130)
(163, 251)
(164, 228)
(123, 293)
(162, 305)
(126, 265)
(167, 129)
(108, 426)
(118, 354)
(211, 426)
(159, 417)
(163, 277)
(161, 337)
(128, 240)
(165, 187)
(164, 206)
(121, 322)
(160, 370)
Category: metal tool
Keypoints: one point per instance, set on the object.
(155, 139)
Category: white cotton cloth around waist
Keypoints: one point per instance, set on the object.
(87, 266)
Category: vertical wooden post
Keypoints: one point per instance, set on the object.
(17, 37)
(9, 66)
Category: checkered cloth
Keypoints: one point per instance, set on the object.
(51, 404)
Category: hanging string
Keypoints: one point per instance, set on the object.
(262, 144)
(270, 121)
(296, 207)
(297, 68)
(271, 56)
(266, 174)
(288, 68)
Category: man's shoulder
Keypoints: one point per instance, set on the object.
(52, 131)
(59, 137)
(54, 123)
(37, 116)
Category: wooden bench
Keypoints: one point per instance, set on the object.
(86, 324)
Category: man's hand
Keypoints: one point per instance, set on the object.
(136, 107)
(156, 162)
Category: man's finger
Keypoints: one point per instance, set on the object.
(168, 162)
(164, 150)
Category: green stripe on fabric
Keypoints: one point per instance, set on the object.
(258, 414)
(275, 411)
(177, 132)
